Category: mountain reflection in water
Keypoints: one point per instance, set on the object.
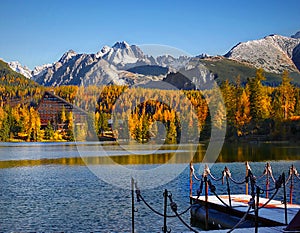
(166, 154)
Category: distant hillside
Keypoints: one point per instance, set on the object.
(273, 53)
(11, 78)
(229, 69)
(221, 69)
(154, 70)
(180, 81)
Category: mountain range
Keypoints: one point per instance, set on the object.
(273, 53)
(126, 64)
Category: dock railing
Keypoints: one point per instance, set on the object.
(268, 173)
(167, 197)
(206, 180)
(255, 190)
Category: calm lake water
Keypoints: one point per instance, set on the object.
(47, 187)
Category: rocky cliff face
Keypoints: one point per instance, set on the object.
(273, 53)
(125, 64)
(296, 56)
(24, 70)
(296, 36)
(111, 65)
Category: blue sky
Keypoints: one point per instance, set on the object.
(38, 32)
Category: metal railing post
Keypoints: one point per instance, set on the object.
(191, 182)
(292, 172)
(206, 202)
(132, 205)
(284, 199)
(256, 208)
(247, 174)
(165, 211)
(228, 187)
(267, 180)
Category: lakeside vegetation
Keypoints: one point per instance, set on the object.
(253, 111)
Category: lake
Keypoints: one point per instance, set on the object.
(56, 187)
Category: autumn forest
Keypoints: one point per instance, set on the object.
(248, 111)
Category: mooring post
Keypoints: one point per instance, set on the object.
(247, 174)
(284, 199)
(256, 208)
(206, 202)
(292, 172)
(228, 191)
(191, 182)
(227, 172)
(165, 211)
(267, 180)
(132, 205)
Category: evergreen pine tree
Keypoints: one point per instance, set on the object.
(49, 132)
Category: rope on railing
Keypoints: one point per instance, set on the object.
(174, 209)
(267, 172)
(251, 177)
(141, 198)
(238, 182)
(268, 190)
(262, 176)
(278, 183)
(288, 179)
(251, 203)
(226, 172)
(241, 220)
(294, 172)
(254, 203)
(193, 172)
(269, 169)
(213, 190)
(217, 179)
(173, 206)
(270, 199)
(208, 173)
(256, 191)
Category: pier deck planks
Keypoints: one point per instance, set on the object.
(274, 211)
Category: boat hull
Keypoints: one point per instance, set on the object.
(216, 219)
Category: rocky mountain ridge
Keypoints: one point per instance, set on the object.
(125, 64)
(111, 65)
(24, 70)
(273, 53)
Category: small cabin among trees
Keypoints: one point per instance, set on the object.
(58, 111)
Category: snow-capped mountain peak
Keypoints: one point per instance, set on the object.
(67, 56)
(109, 65)
(122, 55)
(121, 45)
(296, 36)
(273, 53)
(105, 49)
(24, 70)
(39, 69)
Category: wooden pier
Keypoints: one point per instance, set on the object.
(273, 214)
(242, 211)
(251, 230)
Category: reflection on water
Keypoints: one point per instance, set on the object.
(67, 154)
(58, 198)
(259, 152)
(47, 188)
(40, 151)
